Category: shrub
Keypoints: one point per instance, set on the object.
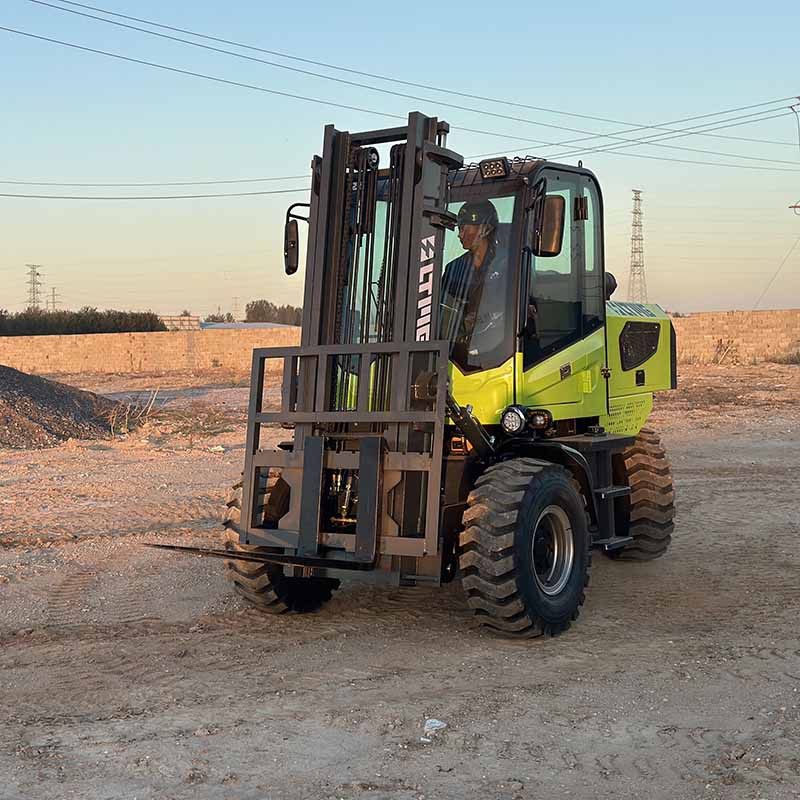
(786, 358)
(264, 311)
(35, 322)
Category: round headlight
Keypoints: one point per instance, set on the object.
(512, 420)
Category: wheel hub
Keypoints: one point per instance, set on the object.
(552, 550)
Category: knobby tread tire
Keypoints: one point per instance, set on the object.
(489, 554)
(265, 586)
(648, 513)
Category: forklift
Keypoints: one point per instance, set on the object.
(467, 401)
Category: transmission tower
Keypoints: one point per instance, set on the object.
(54, 302)
(235, 309)
(34, 284)
(637, 285)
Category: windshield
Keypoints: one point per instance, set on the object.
(478, 284)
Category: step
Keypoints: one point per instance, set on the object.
(609, 492)
(613, 543)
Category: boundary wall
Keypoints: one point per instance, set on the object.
(719, 337)
(153, 352)
(737, 337)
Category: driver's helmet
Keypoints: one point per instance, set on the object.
(478, 212)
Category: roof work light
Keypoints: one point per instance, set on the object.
(494, 168)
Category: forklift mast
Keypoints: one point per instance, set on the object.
(366, 389)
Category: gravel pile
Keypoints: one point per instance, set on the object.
(37, 413)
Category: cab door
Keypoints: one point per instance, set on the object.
(563, 340)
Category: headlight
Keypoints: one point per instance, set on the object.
(513, 420)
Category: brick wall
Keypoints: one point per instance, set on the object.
(729, 336)
(170, 351)
(742, 337)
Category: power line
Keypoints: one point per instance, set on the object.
(156, 183)
(194, 257)
(587, 134)
(777, 272)
(148, 197)
(193, 74)
(315, 100)
(758, 116)
(794, 108)
(399, 81)
(269, 91)
(695, 130)
(733, 122)
(616, 150)
(254, 87)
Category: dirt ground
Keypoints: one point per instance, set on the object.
(130, 673)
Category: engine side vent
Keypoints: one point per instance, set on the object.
(638, 342)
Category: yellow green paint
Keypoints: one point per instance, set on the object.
(570, 384)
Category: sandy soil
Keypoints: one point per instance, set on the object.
(129, 673)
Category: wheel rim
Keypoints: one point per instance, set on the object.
(552, 550)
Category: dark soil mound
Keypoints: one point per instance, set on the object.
(35, 412)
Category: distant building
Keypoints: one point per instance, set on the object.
(181, 323)
(245, 326)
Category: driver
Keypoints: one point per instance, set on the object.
(466, 278)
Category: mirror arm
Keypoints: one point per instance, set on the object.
(290, 214)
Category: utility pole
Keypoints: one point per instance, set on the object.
(34, 284)
(637, 285)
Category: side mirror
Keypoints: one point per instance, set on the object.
(291, 237)
(549, 232)
(291, 246)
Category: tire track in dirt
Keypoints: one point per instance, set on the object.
(130, 662)
(81, 592)
(116, 519)
(68, 597)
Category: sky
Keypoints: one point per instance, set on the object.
(714, 235)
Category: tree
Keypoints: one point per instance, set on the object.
(36, 322)
(219, 316)
(264, 311)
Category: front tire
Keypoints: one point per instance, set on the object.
(265, 586)
(525, 551)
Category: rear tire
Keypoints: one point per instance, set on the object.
(525, 551)
(647, 514)
(265, 586)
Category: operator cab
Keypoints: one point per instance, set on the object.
(546, 268)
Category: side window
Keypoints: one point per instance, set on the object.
(554, 307)
(593, 294)
(478, 296)
(561, 263)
